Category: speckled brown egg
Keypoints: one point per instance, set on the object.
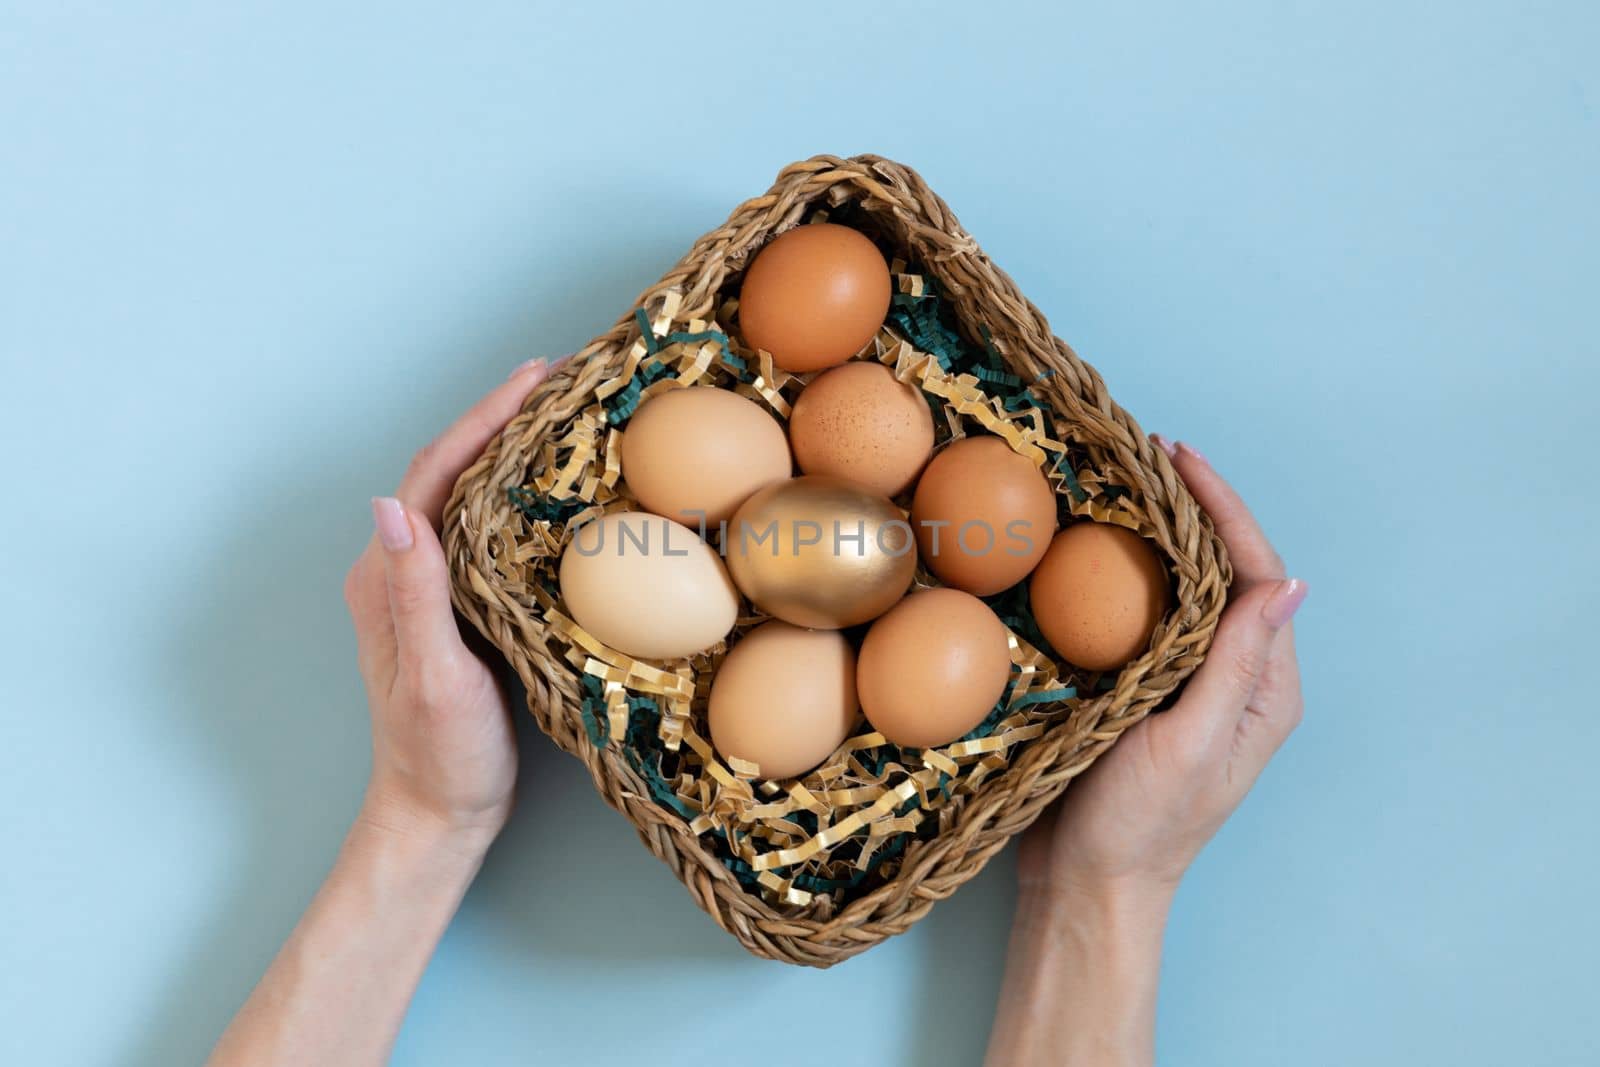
(814, 296)
(933, 667)
(860, 422)
(1098, 594)
(983, 515)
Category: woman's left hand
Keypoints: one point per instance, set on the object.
(444, 763)
(444, 757)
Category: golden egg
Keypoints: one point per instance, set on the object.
(820, 552)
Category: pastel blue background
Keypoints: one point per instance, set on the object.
(253, 255)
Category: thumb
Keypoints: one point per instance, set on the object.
(418, 581)
(1222, 686)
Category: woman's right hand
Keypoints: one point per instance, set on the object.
(1097, 872)
(1140, 815)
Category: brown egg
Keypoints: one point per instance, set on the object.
(860, 422)
(933, 667)
(784, 698)
(814, 296)
(1098, 594)
(983, 515)
(701, 449)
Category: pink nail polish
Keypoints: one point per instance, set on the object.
(1164, 444)
(1190, 450)
(1284, 602)
(394, 529)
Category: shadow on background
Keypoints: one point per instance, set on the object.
(570, 876)
(268, 690)
(963, 943)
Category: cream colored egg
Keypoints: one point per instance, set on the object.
(647, 586)
(784, 698)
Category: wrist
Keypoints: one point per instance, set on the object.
(1081, 975)
(418, 831)
(1116, 929)
(1127, 906)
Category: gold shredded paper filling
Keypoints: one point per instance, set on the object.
(848, 800)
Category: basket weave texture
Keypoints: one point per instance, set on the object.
(908, 214)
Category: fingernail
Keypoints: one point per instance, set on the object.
(1282, 605)
(1164, 444)
(1189, 450)
(523, 368)
(394, 529)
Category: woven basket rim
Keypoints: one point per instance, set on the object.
(899, 200)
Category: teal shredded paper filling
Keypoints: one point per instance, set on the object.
(928, 323)
(620, 407)
(1013, 608)
(644, 716)
(595, 723)
(1064, 468)
(538, 508)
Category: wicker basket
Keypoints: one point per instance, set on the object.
(907, 214)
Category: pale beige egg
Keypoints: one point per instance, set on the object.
(647, 586)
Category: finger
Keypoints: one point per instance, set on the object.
(1224, 686)
(1277, 703)
(433, 472)
(418, 582)
(1254, 558)
(366, 593)
(1274, 710)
